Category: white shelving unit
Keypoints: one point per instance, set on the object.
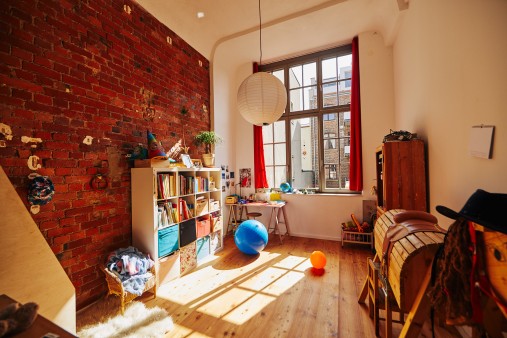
(179, 245)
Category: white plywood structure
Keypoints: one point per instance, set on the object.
(30, 270)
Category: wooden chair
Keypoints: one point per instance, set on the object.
(379, 298)
(115, 286)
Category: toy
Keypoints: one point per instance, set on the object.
(318, 259)
(154, 147)
(40, 190)
(285, 187)
(138, 153)
(15, 318)
(251, 237)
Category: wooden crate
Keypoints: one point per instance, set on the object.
(357, 237)
(410, 257)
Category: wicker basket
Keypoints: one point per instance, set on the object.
(116, 287)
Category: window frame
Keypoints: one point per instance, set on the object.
(318, 112)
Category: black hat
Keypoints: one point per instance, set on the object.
(484, 208)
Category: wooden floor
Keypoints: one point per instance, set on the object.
(273, 294)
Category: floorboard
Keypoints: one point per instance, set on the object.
(274, 294)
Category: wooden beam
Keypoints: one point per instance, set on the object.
(420, 310)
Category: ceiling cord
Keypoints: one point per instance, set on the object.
(260, 34)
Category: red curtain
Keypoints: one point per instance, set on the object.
(259, 165)
(356, 169)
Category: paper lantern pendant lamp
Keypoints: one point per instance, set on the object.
(262, 98)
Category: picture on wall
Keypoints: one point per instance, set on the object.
(245, 177)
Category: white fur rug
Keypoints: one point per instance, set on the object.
(138, 321)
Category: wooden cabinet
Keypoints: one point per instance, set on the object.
(174, 211)
(401, 175)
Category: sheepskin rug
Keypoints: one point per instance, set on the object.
(138, 321)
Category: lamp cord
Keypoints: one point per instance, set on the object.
(260, 34)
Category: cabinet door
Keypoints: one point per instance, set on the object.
(404, 175)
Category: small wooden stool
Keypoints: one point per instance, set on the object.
(251, 215)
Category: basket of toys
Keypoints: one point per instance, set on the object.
(355, 232)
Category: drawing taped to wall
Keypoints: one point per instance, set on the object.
(245, 177)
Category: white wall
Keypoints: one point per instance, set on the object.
(309, 215)
(450, 73)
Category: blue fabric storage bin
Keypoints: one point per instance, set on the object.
(168, 240)
(202, 248)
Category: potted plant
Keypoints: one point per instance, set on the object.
(208, 138)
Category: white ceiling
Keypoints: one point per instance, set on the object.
(226, 19)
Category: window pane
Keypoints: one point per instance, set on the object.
(331, 151)
(310, 100)
(329, 70)
(329, 92)
(330, 124)
(345, 74)
(310, 74)
(268, 154)
(345, 124)
(270, 176)
(296, 77)
(343, 175)
(280, 154)
(344, 65)
(304, 153)
(344, 149)
(279, 127)
(296, 99)
(267, 134)
(280, 75)
(280, 176)
(343, 93)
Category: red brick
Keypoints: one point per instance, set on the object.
(60, 239)
(43, 61)
(18, 83)
(40, 70)
(22, 54)
(46, 225)
(77, 243)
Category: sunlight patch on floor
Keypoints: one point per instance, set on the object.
(263, 279)
(183, 331)
(226, 302)
(284, 283)
(290, 262)
(237, 295)
(197, 286)
(248, 309)
(305, 265)
(249, 297)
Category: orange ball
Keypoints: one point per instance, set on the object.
(318, 259)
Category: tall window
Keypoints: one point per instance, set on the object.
(309, 146)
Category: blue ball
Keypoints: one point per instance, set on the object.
(285, 187)
(251, 237)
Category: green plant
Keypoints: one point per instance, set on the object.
(207, 138)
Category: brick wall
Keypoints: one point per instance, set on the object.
(72, 69)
